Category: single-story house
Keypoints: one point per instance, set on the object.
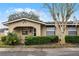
(26, 26)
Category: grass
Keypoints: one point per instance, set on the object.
(56, 45)
(2, 45)
(40, 46)
(6, 46)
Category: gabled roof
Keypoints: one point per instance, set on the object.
(36, 21)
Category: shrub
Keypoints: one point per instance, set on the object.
(11, 39)
(72, 39)
(3, 38)
(32, 40)
(54, 38)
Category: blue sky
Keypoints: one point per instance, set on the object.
(7, 8)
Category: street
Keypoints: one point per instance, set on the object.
(40, 52)
(23, 53)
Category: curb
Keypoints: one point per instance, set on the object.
(19, 49)
(39, 49)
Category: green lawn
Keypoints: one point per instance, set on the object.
(52, 46)
(2, 45)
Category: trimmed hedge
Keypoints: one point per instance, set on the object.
(72, 39)
(32, 40)
(10, 39)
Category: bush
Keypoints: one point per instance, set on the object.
(3, 38)
(32, 40)
(72, 39)
(11, 39)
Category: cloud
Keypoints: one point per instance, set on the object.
(13, 10)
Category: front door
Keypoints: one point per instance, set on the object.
(28, 31)
(24, 33)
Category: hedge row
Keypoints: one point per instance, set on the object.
(32, 40)
(12, 39)
(72, 39)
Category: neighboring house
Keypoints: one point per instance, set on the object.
(26, 26)
(3, 31)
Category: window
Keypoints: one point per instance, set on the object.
(72, 31)
(50, 28)
(25, 32)
(50, 31)
(34, 32)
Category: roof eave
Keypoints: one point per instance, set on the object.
(8, 22)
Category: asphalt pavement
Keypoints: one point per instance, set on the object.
(39, 52)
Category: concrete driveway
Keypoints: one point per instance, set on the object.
(39, 52)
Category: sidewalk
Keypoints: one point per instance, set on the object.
(39, 49)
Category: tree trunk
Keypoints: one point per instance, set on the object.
(61, 34)
(62, 38)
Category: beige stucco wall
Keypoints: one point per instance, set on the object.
(25, 24)
(43, 29)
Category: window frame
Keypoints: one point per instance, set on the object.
(52, 29)
(72, 29)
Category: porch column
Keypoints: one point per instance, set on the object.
(38, 31)
(11, 29)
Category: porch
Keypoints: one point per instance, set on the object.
(25, 31)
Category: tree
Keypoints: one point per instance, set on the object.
(18, 15)
(61, 13)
